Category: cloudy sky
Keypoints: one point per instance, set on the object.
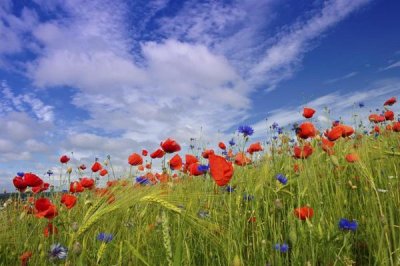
(112, 77)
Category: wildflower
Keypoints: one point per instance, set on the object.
(19, 183)
(135, 159)
(246, 130)
(304, 213)
(345, 224)
(104, 237)
(76, 187)
(77, 248)
(352, 157)
(103, 172)
(57, 251)
(207, 153)
(44, 208)
(87, 182)
(282, 248)
(389, 115)
(222, 146)
(248, 197)
(42, 187)
(203, 168)
(142, 180)
(281, 178)
(32, 180)
(361, 105)
(230, 189)
(64, 159)
(255, 147)
(189, 159)
(306, 130)
(68, 200)
(159, 153)
(49, 230)
(25, 258)
(194, 169)
(241, 159)
(20, 174)
(176, 162)
(274, 125)
(232, 142)
(144, 152)
(220, 169)
(396, 127)
(391, 101)
(96, 167)
(82, 167)
(308, 112)
(170, 146)
(303, 152)
(280, 130)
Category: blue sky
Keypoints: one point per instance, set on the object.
(113, 77)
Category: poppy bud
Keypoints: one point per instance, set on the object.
(69, 170)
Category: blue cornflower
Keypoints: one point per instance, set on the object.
(203, 168)
(282, 248)
(248, 197)
(280, 130)
(57, 251)
(225, 153)
(246, 130)
(232, 142)
(361, 104)
(275, 137)
(274, 125)
(345, 224)
(142, 180)
(50, 172)
(104, 237)
(229, 189)
(20, 174)
(281, 178)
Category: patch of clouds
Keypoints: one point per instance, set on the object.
(347, 76)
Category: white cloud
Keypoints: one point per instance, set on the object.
(394, 65)
(347, 76)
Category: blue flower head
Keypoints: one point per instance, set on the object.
(20, 174)
(361, 104)
(104, 237)
(57, 251)
(203, 168)
(49, 172)
(345, 224)
(282, 248)
(142, 180)
(275, 125)
(232, 142)
(246, 130)
(230, 189)
(280, 130)
(281, 178)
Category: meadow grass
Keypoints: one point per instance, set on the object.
(194, 222)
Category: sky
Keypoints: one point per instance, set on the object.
(96, 78)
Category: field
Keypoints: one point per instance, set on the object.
(314, 200)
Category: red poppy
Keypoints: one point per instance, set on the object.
(170, 146)
(396, 127)
(111, 183)
(148, 166)
(163, 177)
(207, 153)
(64, 159)
(49, 230)
(296, 168)
(347, 131)
(327, 146)
(86, 183)
(159, 153)
(82, 167)
(176, 162)
(144, 152)
(334, 133)
(255, 147)
(76, 187)
(304, 213)
(352, 157)
(68, 200)
(303, 152)
(376, 118)
(19, 183)
(220, 169)
(189, 159)
(306, 130)
(140, 167)
(389, 115)
(25, 258)
(96, 167)
(308, 112)
(103, 172)
(42, 187)
(194, 169)
(391, 101)
(241, 159)
(389, 127)
(32, 180)
(44, 208)
(222, 146)
(135, 159)
(377, 129)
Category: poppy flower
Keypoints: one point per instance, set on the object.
(86, 183)
(396, 127)
(144, 152)
(76, 187)
(376, 118)
(303, 152)
(220, 169)
(103, 172)
(19, 183)
(306, 130)
(135, 159)
(148, 166)
(377, 129)
(64, 159)
(68, 200)
(352, 157)
(194, 169)
(42, 187)
(327, 146)
(304, 213)
(170, 146)
(96, 167)
(32, 180)
(391, 101)
(140, 167)
(222, 146)
(49, 230)
(190, 159)
(255, 147)
(24, 258)
(241, 159)
(163, 177)
(111, 183)
(82, 167)
(308, 112)
(389, 127)
(44, 208)
(347, 131)
(207, 153)
(176, 162)
(389, 115)
(159, 153)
